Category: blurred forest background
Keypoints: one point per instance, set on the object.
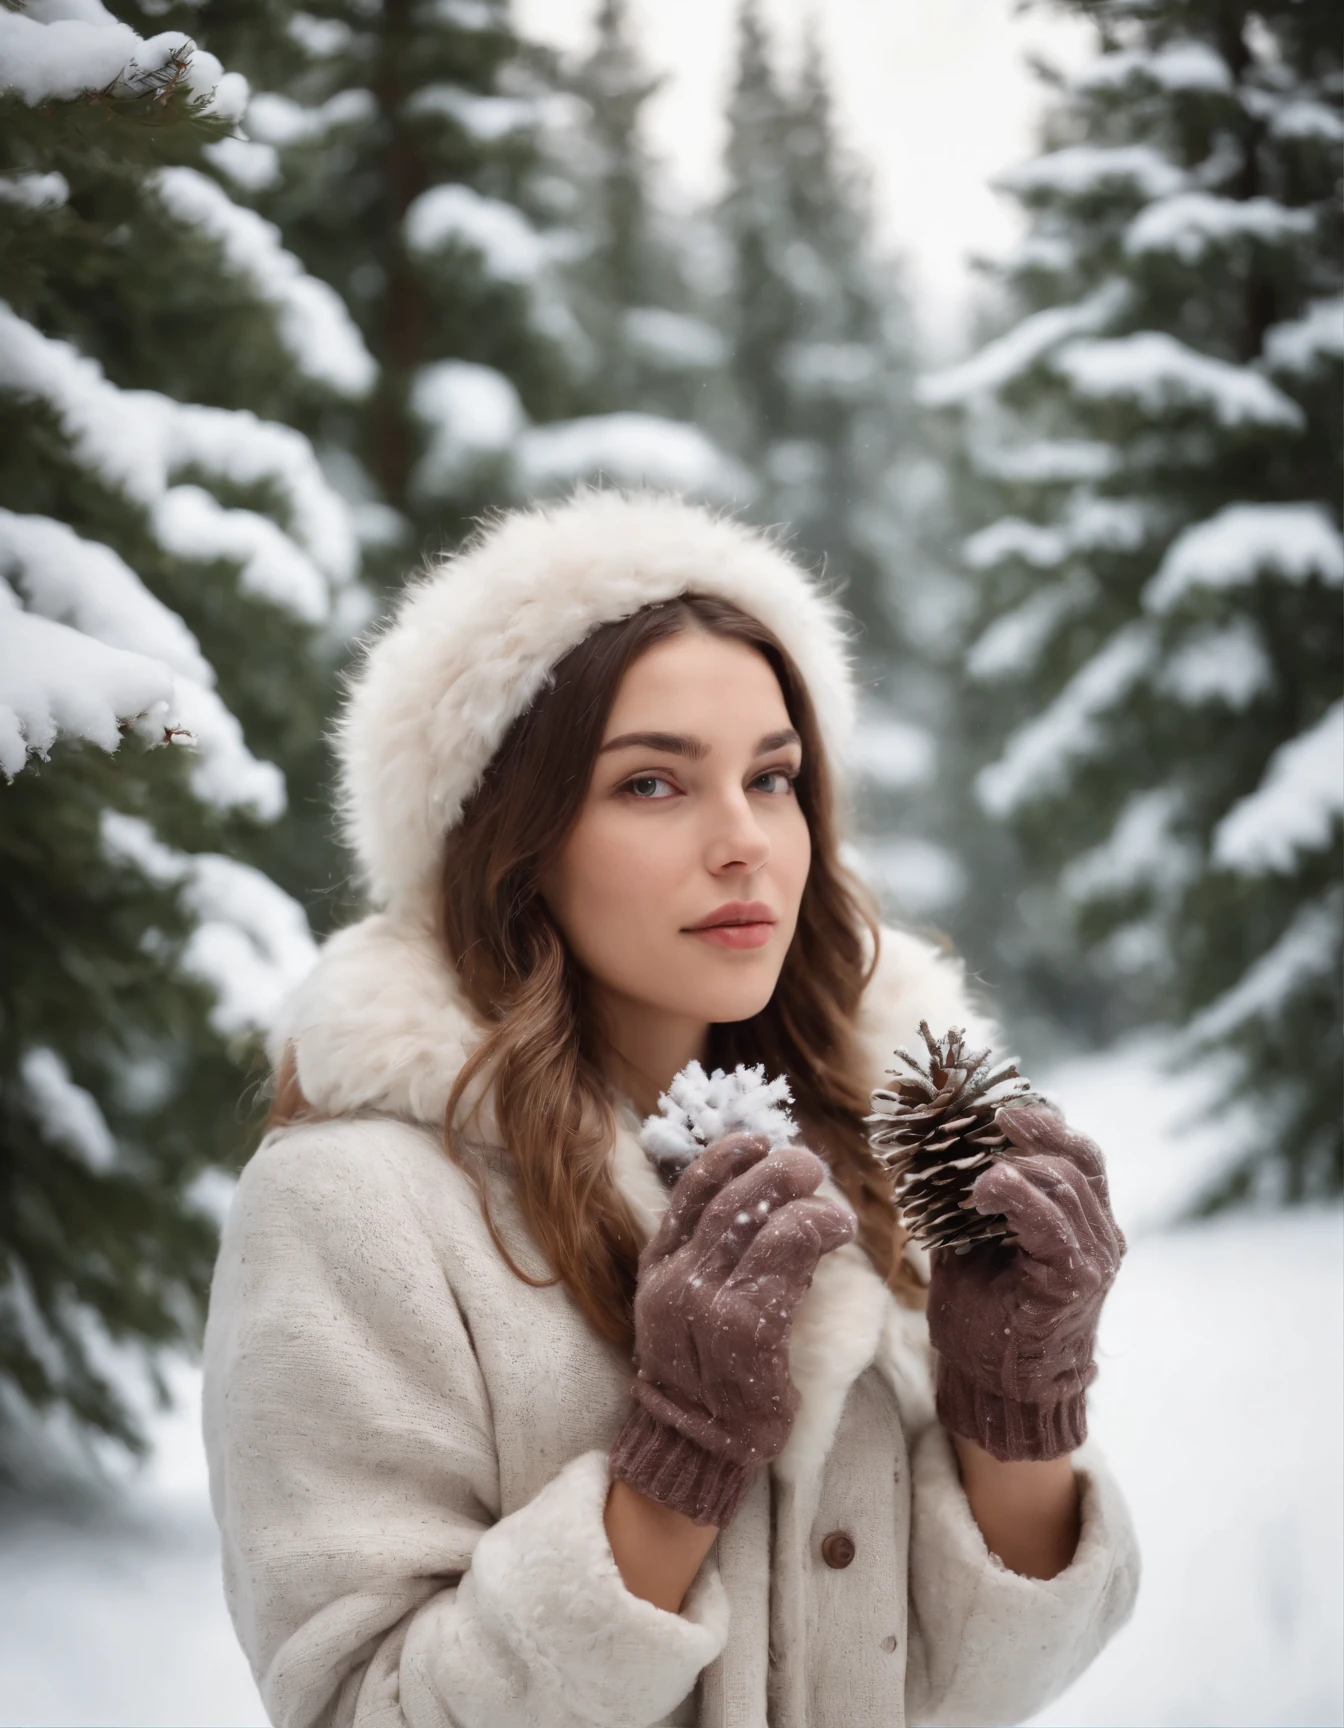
(288, 295)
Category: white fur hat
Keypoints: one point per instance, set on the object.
(472, 642)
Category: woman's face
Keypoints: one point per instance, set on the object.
(690, 817)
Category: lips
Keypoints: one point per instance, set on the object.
(739, 924)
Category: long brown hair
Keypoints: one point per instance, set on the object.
(536, 1057)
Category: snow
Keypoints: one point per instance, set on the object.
(193, 524)
(1296, 807)
(319, 37)
(633, 450)
(1291, 541)
(917, 876)
(1012, 645)
(1089, 524)
(487, 118)
(1228, 665)
(1140, 852)
(1307, 950)
(280, 121)
(58, 61)
(254, 167)
(1191, 224)
(841, 371)
(1303, 118)
(673, 341)
(67, 1114)
(55, 682)
(1224, 1430)
(313, 323)
(1300, 344)
(34, 191)
(1188, 65)
(1037, 757)
(1010, 355)
(891, 752)
(1156, 372)
(699, 1108)
(1089, 170)
(509, 246)
(473, 411)
(224, 772)
(1045, 461)
(132, 440)
(251, 943)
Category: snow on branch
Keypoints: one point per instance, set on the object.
(1089, 170)
(1012, 645)
(1157, 373)
(1141, 851)
(280, 120)
(1228, 665)
(1178, 66)
(1300, 345)
(251, 943)
(510, 248)
(1038, 756)
(314, 324)
(63, 59)
(1009, 356)
(473, 413)
(1294, 809)
(134, 440)
(67, 1114)
(632, 450)
(1291, 541)
(1191, 224)
(487, 118)
(1307, 951)
(1089, 525)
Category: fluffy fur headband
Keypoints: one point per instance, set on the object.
(473, 641)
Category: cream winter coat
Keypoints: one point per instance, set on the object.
(408, 1445)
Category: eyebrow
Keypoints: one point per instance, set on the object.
(678, 744)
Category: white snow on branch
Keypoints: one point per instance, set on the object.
(1012, 645)
(79, 666)
(506, 242)
(473, 413)
(251, 943)
(487, 118)
(1228, 665)
(1087, 170)
(1302, 118)
(314, 323)
(255, 167)
(1009, 356)
(1140, 852)
(1296, 807)
(1308, 950)
(59, 59)
(56, 682)
(1299, 345)
(34, 191)
(1178, 65)
(320, 37)
(1089, 525)
(673, 341)
(633, 450)
(67, 1114)
(280, 121)
(891, 752)
(918, 876)
(1291, 541)
(134, 440)
(1158, 373)
(1044, 461)
(1190, 224)
(191, 523)
(1037, 758)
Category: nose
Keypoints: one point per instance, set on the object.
(736, 840)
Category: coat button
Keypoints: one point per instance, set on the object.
(837, 1549)
(890, 1642)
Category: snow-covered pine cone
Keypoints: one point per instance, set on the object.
(934, 1131)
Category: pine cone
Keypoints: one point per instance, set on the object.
(935, 1132)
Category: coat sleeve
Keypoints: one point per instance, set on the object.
(987, 1645)
(354, 1476)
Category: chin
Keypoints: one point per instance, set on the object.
(724, 1000)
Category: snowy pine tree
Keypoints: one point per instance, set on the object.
(174, 571)
(1154, 454)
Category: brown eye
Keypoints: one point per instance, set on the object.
(640, 780)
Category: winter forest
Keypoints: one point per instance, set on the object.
(289, 295)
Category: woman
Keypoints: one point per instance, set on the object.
(588, 773)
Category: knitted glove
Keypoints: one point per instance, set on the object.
(1014, 1322)
(714, 1304)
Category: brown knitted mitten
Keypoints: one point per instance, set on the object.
(1014, 1322)
(718, 1285)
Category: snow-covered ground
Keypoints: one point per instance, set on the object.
(1219, 1402)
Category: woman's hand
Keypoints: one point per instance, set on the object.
(1015, 1322)
(718, 1286)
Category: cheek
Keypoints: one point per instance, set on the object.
(619, 879)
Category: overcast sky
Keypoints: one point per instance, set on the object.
(934, 94)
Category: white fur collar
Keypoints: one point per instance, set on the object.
(380, 1024)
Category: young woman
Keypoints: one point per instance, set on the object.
(505, 1433)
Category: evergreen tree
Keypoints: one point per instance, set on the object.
(1154, 449)
(172, 566)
